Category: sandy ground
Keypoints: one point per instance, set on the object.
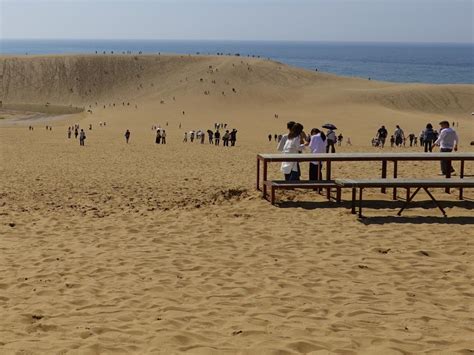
(140, 248)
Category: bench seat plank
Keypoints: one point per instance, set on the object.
(407, 183)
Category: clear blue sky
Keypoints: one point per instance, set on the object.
(303, 20)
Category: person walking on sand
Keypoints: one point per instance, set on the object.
(292, 146)
(203, 137)
(158, 136)
(76, 132)
(340, 137)
(163, 137)
(217, 136)
(428, 138)
(392, 141)
(69, 132)
(185, 137)
(127, 135)
(269, 137)
(448, 141)
(382, 136)
(82, 137)
(331, 140)
(233, 137)
(225, 138)
(399, 136)
(211, 136)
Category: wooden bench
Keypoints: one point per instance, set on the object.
(417, 184)
(274, 185)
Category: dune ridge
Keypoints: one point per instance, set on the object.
(86, 79)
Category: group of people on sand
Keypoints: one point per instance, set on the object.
(332, 140)
(229, 138)
(78, 132)
(427, 138)
(297, 141)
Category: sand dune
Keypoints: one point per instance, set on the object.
(140, 248)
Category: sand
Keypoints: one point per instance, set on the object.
(139, 248)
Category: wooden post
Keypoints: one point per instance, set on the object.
(265, 166)
(328, 177)
(448, 173)
(395, 174)
(258, 173)
(384, 174)
(353, 206)
(360, 201)
(461, 176)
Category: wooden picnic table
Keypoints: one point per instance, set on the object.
(384, 158)
(418, 184)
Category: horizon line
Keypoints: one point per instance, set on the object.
(230, 40)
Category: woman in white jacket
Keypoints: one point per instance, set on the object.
(292, 146)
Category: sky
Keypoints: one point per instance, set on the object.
(447, 21)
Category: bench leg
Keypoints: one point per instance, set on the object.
(384, 173)
(328, 177)
(273, 195)
(265, 167)
(409, 199)
(258, 174)
(338, 194)
(395, 174)
(461, 176)
(435, 201)
(360, 202)
(353, 207)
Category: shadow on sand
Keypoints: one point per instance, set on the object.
(393, 206)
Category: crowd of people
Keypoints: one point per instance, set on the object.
(426, 139)
(229, 138)
(296, 141)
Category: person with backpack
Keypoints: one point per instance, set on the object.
(429, 137)
(399, 136)
(382, 134)
(82, 137)
(331, 141)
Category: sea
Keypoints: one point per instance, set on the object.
(395, 62)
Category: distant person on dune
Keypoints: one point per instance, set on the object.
(127, 135)
(163, 137)
(225, 138)
(269, 137)
(392, 141)
(185, 139)
(233, 137)
(217, 137)
(158, 137)
(340, 137)
(382, 134)
(76, 132)
(69, 132)
(211, 136)
(399, 136)
(82, 137)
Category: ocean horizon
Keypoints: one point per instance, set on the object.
(436, 63)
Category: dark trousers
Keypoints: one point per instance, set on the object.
(292, 176)
(330, 144)
(446, 164)
(81, 141)
(217, 141)
(315, 171)
(163, 140)
(428, 146)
